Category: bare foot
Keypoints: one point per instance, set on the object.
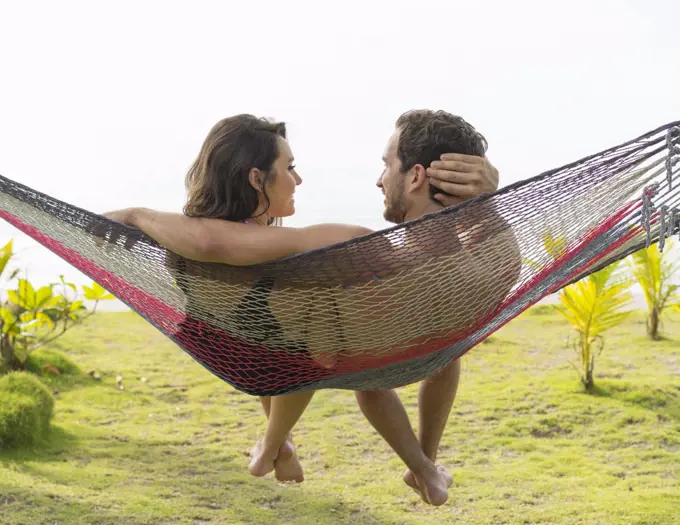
(432, 489)
(287, 465)
(261, 462)
(410, 479)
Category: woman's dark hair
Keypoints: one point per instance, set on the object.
(217, 182)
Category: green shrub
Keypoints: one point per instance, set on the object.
(26, 408)
(19, 420)
(45, 362)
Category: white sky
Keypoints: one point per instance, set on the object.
(105, 104)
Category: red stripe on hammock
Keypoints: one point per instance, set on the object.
(251, 366)
(569, 254)
(230, 358)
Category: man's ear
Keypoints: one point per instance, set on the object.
(416, 177)
(256, 179)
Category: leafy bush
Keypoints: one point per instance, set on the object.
(32, 317)
(25, 411)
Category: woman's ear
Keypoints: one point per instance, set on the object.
(256, 180)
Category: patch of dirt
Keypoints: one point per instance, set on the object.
(549, 432)
(670, 447)
(608, 375)
(6, 500)
(269, 503)
(211, 506)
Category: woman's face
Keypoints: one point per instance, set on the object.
(283, 183)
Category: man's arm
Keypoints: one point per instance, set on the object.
(462, 177)
(216, 240)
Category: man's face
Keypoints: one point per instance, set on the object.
(392, 182)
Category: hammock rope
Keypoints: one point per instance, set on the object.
(389, 308)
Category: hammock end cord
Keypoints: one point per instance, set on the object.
(673, 151)
(667, 218)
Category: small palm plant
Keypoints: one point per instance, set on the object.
(654, 271)
(592, 306)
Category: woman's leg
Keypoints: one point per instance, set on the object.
(276, 449)
(286, 465)
(266, 404)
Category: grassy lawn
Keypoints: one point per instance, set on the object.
(524, 443)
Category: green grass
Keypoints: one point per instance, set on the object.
(526, 445)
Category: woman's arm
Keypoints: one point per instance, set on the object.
(216, 240)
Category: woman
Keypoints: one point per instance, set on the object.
(245, 174)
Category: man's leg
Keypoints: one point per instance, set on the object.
(435, 399)
(386, 413)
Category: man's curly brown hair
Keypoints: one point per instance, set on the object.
(425, 135)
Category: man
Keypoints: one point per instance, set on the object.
(417, 166)
(420, 138)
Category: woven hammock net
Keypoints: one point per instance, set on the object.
(387, 309)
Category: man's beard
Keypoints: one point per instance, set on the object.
(395, 207)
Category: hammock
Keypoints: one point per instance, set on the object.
(389, 308)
